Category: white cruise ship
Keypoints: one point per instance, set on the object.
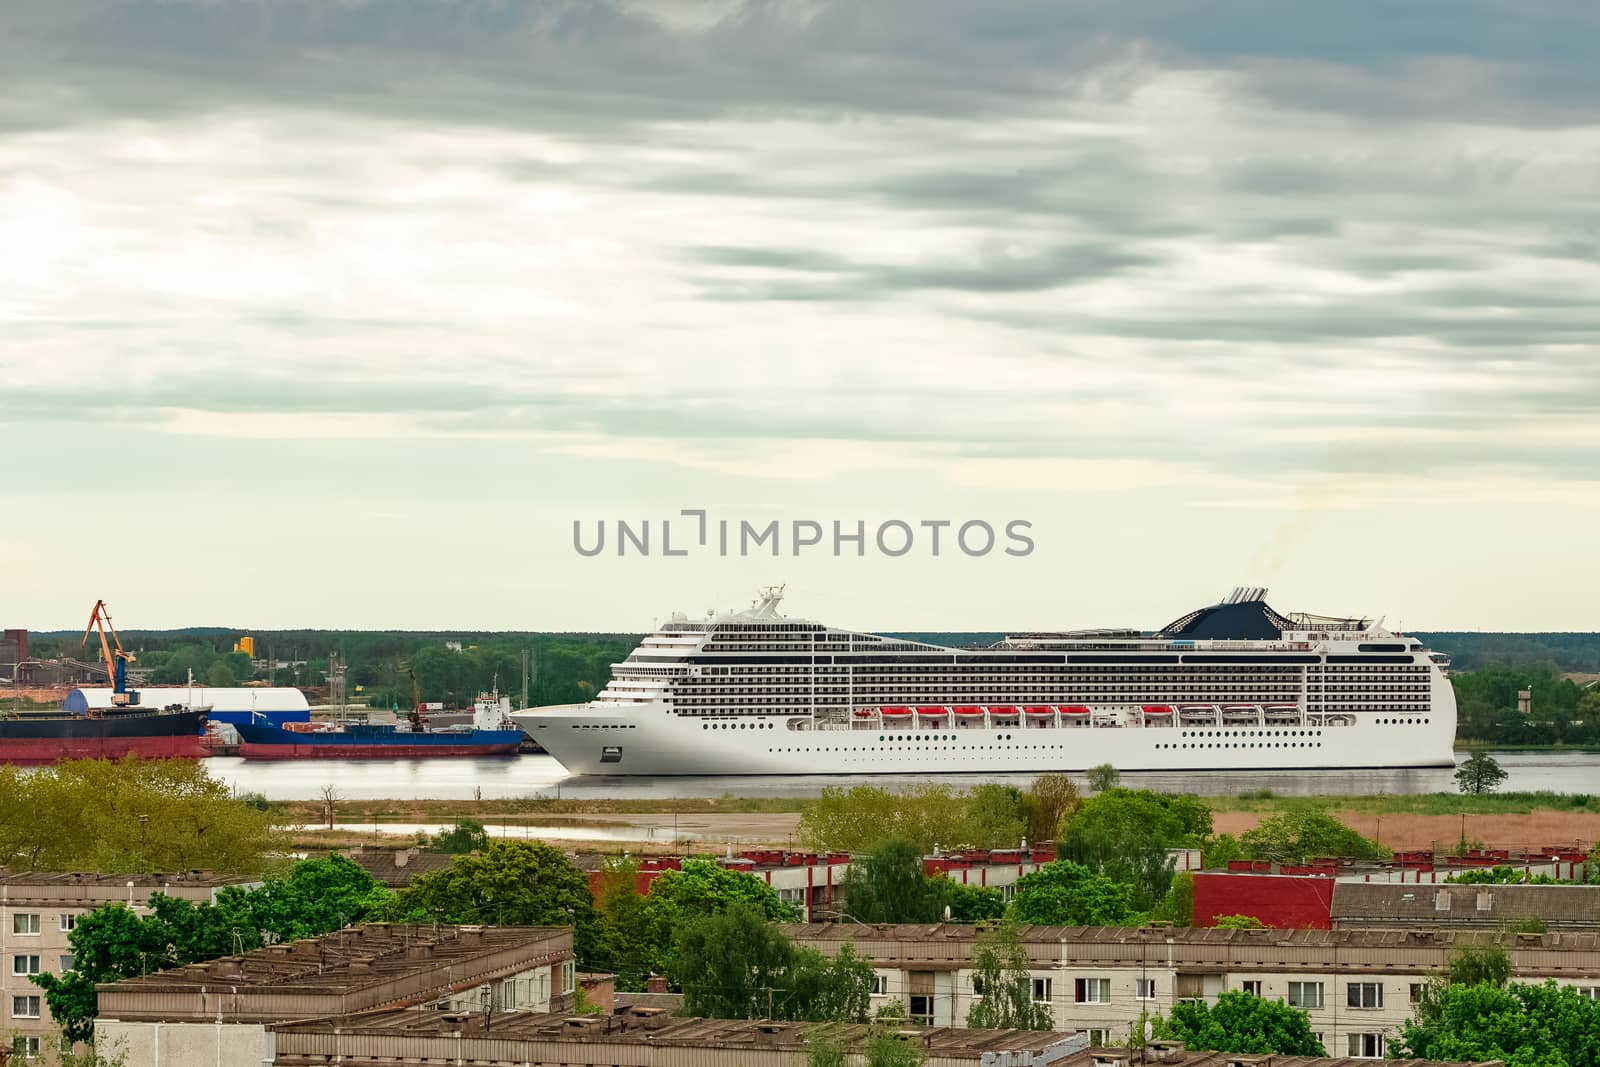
(1234, 686)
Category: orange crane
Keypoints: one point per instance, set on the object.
(116, 661)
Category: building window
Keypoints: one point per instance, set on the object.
(1305, 994)
(1098, 1038)
(922, 1009)
(880, 985)
(1146, 989)
(69, 921)
(24, 964)
(1364, 995)
(68, 961)
(26, 1047)
(1091, 990)
(1590, 991)
(1253, 987)
(1365, 1046)
(1418, 989)
(24, 1007)
(25, 923)
(792, 896)
(1041, 990)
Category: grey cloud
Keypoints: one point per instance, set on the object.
(551, 62)
(854, 280)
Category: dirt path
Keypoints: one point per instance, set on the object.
(1425, 831)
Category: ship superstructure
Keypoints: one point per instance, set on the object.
(1233, 686)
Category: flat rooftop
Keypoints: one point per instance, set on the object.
(120, 881)
(630, 1039)
(355, 969)
(968, 934)
(657, 1027)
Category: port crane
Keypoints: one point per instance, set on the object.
(117, 661)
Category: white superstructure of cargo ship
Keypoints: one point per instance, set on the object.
(1233, 686)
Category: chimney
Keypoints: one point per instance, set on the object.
(655, 984)
(402, 857)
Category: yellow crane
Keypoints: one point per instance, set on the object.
(116, 661)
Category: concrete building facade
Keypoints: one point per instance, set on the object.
(1358, 986)
(38, 912)
(221, 1013)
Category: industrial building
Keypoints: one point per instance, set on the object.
(13, 653)
(279, 704)
(223, 1013)
(38, 912)
(1358, 986)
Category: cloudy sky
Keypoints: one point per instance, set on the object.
(340, 313)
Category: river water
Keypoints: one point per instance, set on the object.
(529, 776)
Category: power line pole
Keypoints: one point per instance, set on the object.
(527, 654)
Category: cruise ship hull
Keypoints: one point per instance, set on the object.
(646, 739)
(1235, 686)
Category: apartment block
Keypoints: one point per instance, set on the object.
(220, 1013)
(38, 911)
(653, 1038)
(1358, 986)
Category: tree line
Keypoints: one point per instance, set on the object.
(1561, 712)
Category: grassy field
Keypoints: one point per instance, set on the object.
(528, 810)
(553, 812)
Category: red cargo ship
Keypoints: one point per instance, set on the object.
(45, 737)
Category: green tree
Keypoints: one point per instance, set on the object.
(1003, 987)
(220, 675)
(823, 1051)
(1479, 774)
(467, 835)
(1064, 893)
(1178, 907)
(889, 1045)
(313, 897)
(621, 909)
(994, 816)
(890, 885)
(1102, 777)
(1050, 801)
(852, 820)
(1477, 965)
(129, 817)
(510, 883)
(835, 988)
(1239, 922)
(1500, 874)
(1241, 1022)
(734, 964)
(1544, 1025)
(701, 888)
(1304, 832)
(974, 903)
(1125, 834)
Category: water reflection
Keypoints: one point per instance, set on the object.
(525, 776)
